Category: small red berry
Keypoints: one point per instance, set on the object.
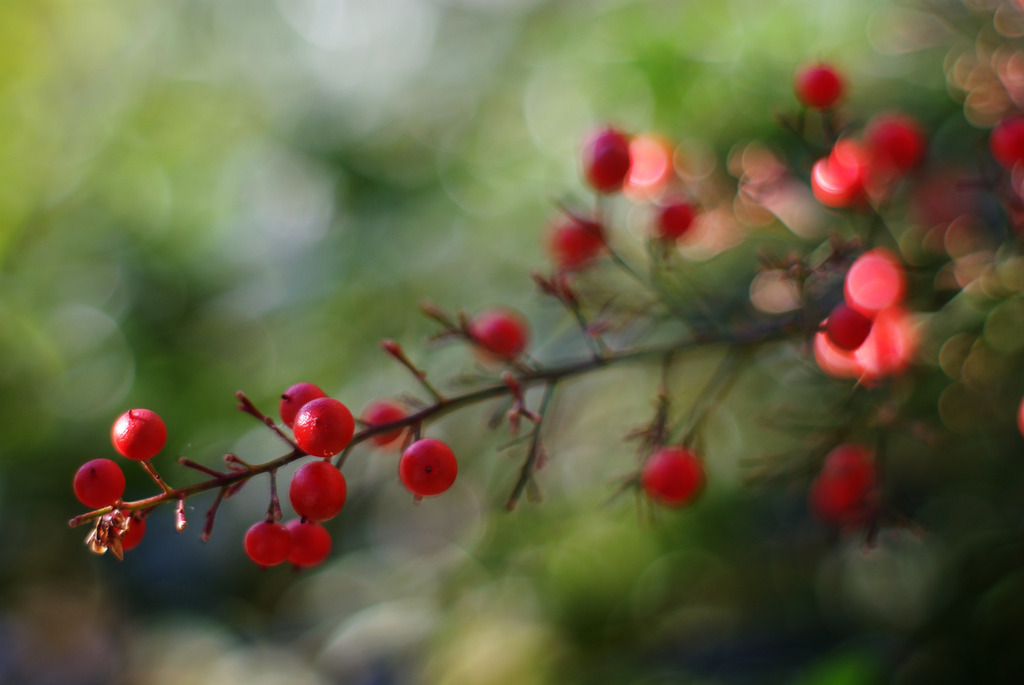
(323, 427)
(818, 86)
(847, 328)
(1007, 141)
(875, 281)
(843, 492)
(500, 332)
(574, 243)
(295, 397)
(1020, 417)
(894, 143)
(427, 467)
(268, 543)
(139, 434)
(383, 412)
(311, 543)
(675, 219)
(318, 491)
(672, 476)
(606, 160)
(99, 483)
(838, 180)
(133, 536)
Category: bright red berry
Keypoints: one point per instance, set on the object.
(99, 483)
(318, 491)
(875, 281)
(268, 543)
(133, 536)
(574, 243)
(383, 412)
(818, 86)
(672, 476)
(500, 332)
(606, 160)
(323, 427)
(139, 434)
(1007, 141)
(311, 543)
(675, 219)
(295, 397)
(843, 492)
(894, 143)
(838, 180)
(427, 467)
(847, 328)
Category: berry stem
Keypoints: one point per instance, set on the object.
(246, 405)
(534, 453)
(211, 514)
(148, 466)
(396, 351)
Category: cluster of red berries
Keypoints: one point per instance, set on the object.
(138, 434)
(574, 242)
(323, 427)
(869, 335)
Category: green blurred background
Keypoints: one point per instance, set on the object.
(204, 197)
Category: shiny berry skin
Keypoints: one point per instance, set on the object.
(672, 476)
(427, 467)
(674, 220)
(894, 143)
(500, 332)
(847, 328)
(606, 160)
(317, 491)
(323, 427)
(1007, 141)
(843, 492)
(295, 397)
(311, 543)
(99, 483)
(574, 243)
(136, 531)
(818, 86)
(268, 543)
(139, 434)
(383, 412)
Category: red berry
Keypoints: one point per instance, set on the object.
(133, 536)
(139, 434)
(818, 86)
(574, 243)
(1020, 417)
(675, 219)
(295, 397)
(1007, 141)
(894, 143)
(318, 491)
(672, 476)
(875, 281)
(311, 543)
(323, 427)
(606, 160)
(500, 332)
(847, 328)
(843, 492)
(383, 412)
(268, 543)
(428, 467)
(99, 483)
(838, 180)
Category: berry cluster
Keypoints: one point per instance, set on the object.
(846, 301)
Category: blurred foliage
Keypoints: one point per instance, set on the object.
(197, 198)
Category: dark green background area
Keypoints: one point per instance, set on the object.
(198, 198)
